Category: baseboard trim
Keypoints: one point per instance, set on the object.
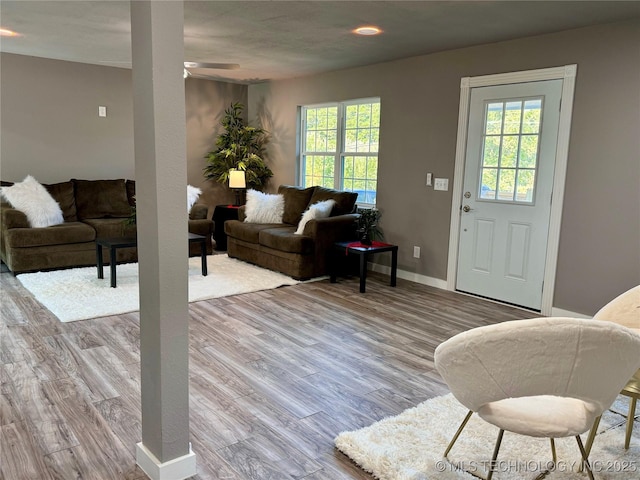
(411, 276)
(176, 469)
(442, 284)
(559, 312)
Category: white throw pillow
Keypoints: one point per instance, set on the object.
(192, 195)
(34, 201)
(263, 207)
(317, 210)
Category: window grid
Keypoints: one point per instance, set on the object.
(510, 150)
(340, 147)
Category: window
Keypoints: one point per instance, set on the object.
(339, 147)
(510, 150)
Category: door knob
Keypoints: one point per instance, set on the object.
(466, 208)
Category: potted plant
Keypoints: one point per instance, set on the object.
(368, 228)
(240, 147)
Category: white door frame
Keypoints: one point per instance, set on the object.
(567, 73)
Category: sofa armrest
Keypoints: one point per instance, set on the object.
(199, 212)
(12, 218)
(327, 231)
(241, 213)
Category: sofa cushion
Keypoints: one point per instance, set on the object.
(285, 240)
(111, 227)
(249, 232)
(296, 200)
(131, 192)
(345, 201)
(31, 198)
(71, 232)
(63, 194)
(264, 207)
(101, 198)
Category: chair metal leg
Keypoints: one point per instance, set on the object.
(630, 417)
(591, 438)
(495, 455)
(553, 451)
(585, 458)
(455, 437)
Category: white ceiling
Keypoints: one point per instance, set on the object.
(281, 39)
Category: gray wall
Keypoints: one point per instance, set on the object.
(599, 255)
(50, 126)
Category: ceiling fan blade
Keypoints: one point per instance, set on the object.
(219, 66)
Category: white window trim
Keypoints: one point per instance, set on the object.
(567, 74)
(340, 141)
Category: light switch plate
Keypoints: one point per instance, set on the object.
(102, 111)
(441, 184)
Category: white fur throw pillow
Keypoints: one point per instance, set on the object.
(192, 195)
(317, 210)
(34, 201)
(263, 207)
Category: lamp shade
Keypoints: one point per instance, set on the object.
(236, 179)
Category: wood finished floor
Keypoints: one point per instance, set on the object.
(274, 376)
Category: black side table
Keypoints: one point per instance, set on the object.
(354, 248)
(221, 214)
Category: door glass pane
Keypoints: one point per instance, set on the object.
(494, 119)
(526, 180)
(512, 117)
(531, 118)
(510, 150)
(489, 182)
(507, 184)
(509, 155)
(491, 151)
(528, 151)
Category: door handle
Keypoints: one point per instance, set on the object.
(466, 208)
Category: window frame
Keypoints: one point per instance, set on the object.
(339, 154)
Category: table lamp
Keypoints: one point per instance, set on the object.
(237, 183)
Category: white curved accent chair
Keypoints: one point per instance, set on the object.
(543, 377)
(625, 310)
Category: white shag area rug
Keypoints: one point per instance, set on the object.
(410, 446)
(78, 294)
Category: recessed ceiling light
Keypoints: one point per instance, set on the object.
(367, 30)
(5, 32)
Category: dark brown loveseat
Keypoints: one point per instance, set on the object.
(91, 209)
(277, 247)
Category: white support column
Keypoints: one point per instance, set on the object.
(161, 180)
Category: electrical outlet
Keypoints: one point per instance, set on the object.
(441, 184)
(416, 252)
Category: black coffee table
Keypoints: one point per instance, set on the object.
(113, 244)
(355, 248)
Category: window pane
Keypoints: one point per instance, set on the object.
(329, 166)
(348, 167)
(310, 145)
(531, 120)
(512, 117)
(491, 151)
(332, 118)
(489, 182)
(509, 151)
(507, 184)
(360, 167)
(322, 118)
(372, 167)
(363, 140)
(528, 151)
(526, 183)
(375, 115)
(351, 140)
(494, 118)
(375, 140)
(364, 115)
(311, 118)
(332, 142)
(351, 116)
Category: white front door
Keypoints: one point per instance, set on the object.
(507, 187)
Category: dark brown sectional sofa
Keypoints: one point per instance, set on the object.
(277, 247)
(92, 209)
